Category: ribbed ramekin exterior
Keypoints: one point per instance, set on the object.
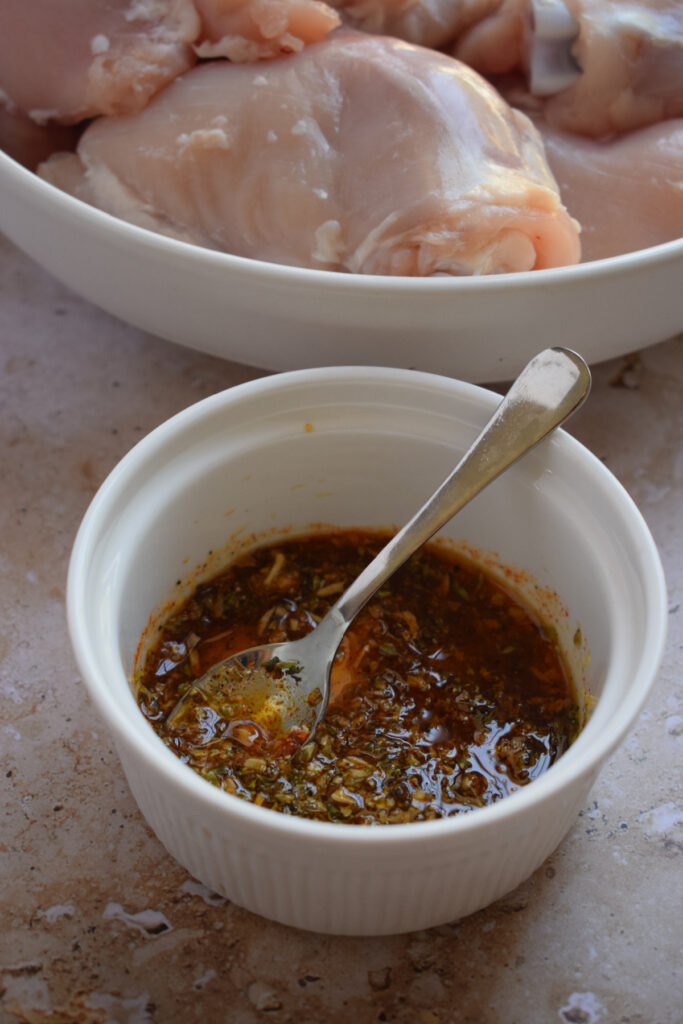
(347, 888)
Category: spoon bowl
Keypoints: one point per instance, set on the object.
(275, 690)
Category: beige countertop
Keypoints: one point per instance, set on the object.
(100, 924)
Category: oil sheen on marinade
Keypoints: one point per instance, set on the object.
(447, 693)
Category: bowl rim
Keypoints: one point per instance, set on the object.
(121, 231)
(159, 758)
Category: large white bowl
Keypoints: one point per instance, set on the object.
(281, 318)
(244, 461)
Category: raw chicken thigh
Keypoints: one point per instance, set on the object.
(628, 58)
(361, 153)
(67, 60)
(425, 22)
(247, 30)
(496, 43)
(626, 192)
(491, 36)
(631, 60)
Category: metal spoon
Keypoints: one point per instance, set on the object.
(284, 686)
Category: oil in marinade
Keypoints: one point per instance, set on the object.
(447, 693)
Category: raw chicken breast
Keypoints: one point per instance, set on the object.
(627, 192)
(360, 153)
(67, 60)
(631, 58)
(247, 30)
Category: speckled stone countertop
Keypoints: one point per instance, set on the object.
(100, 924)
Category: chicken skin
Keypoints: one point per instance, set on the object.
(248, 30)
(618, 63)
(433, 23)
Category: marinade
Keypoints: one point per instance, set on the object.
(448, 693)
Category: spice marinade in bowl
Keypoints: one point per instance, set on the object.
(345, 448)
(447, 693)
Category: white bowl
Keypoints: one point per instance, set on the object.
(244, 461)
(282, 318)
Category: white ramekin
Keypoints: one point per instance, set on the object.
(359, 446)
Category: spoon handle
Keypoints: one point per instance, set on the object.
(548, 390)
